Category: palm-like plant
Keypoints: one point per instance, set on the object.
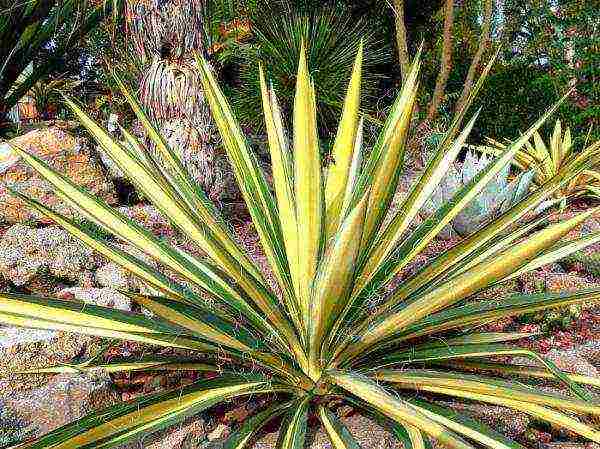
(27, 28)
(546, 160)
(316, 340)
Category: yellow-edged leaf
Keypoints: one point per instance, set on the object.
(308, 184)
(343, 148)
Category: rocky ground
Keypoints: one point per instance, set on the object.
(37, 257)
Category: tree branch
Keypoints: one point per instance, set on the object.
(483, 44)
(446, 62)
(401, 43)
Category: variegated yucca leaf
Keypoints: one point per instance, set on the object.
(337, 327)
(558, 156)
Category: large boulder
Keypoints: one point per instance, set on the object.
(26, 253)
(65, 398)
(62, 152)
(32, 404)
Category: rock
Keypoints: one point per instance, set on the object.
(590, 351)
(12, 428)
(65, 398)
(556, 283)
(37, 403)
(14, 336)
(63, 153)
(219, 432)
(66, 256)
(23, 349)
(105, 297)
(572, 361)
(26, 252)
(539, 281)
(20, 254)
(148, 217)
(114, 276)
(112, 127)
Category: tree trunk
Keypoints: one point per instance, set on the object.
(483, 44)
(446, 62)
(401, 41)
(165, 35)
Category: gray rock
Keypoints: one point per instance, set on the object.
(20, 255)
(12, 428)
(14, 336)
(24, 349)
(113, 276)
(105, 297)
(66, 257)
(570, 446)
(64, 399)
(26, 252)
(190, 434)
(574, 360)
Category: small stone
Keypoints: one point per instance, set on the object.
(570, 446)
(113, 276)
(12, 428)
(572, 361)
(218, 432)
(509, 422)
(367, 433)
(187, 435)
(556, 283)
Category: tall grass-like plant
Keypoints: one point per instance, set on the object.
(318, 339)
(332, 36)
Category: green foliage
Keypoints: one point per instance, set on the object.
(589, 262)
(559, 319)
(45, 30)
(546, 51)
(509, 104)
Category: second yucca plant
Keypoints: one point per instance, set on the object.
(558, 155)
(328, 334)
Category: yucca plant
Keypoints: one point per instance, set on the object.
(319, 338)
(546, 160)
